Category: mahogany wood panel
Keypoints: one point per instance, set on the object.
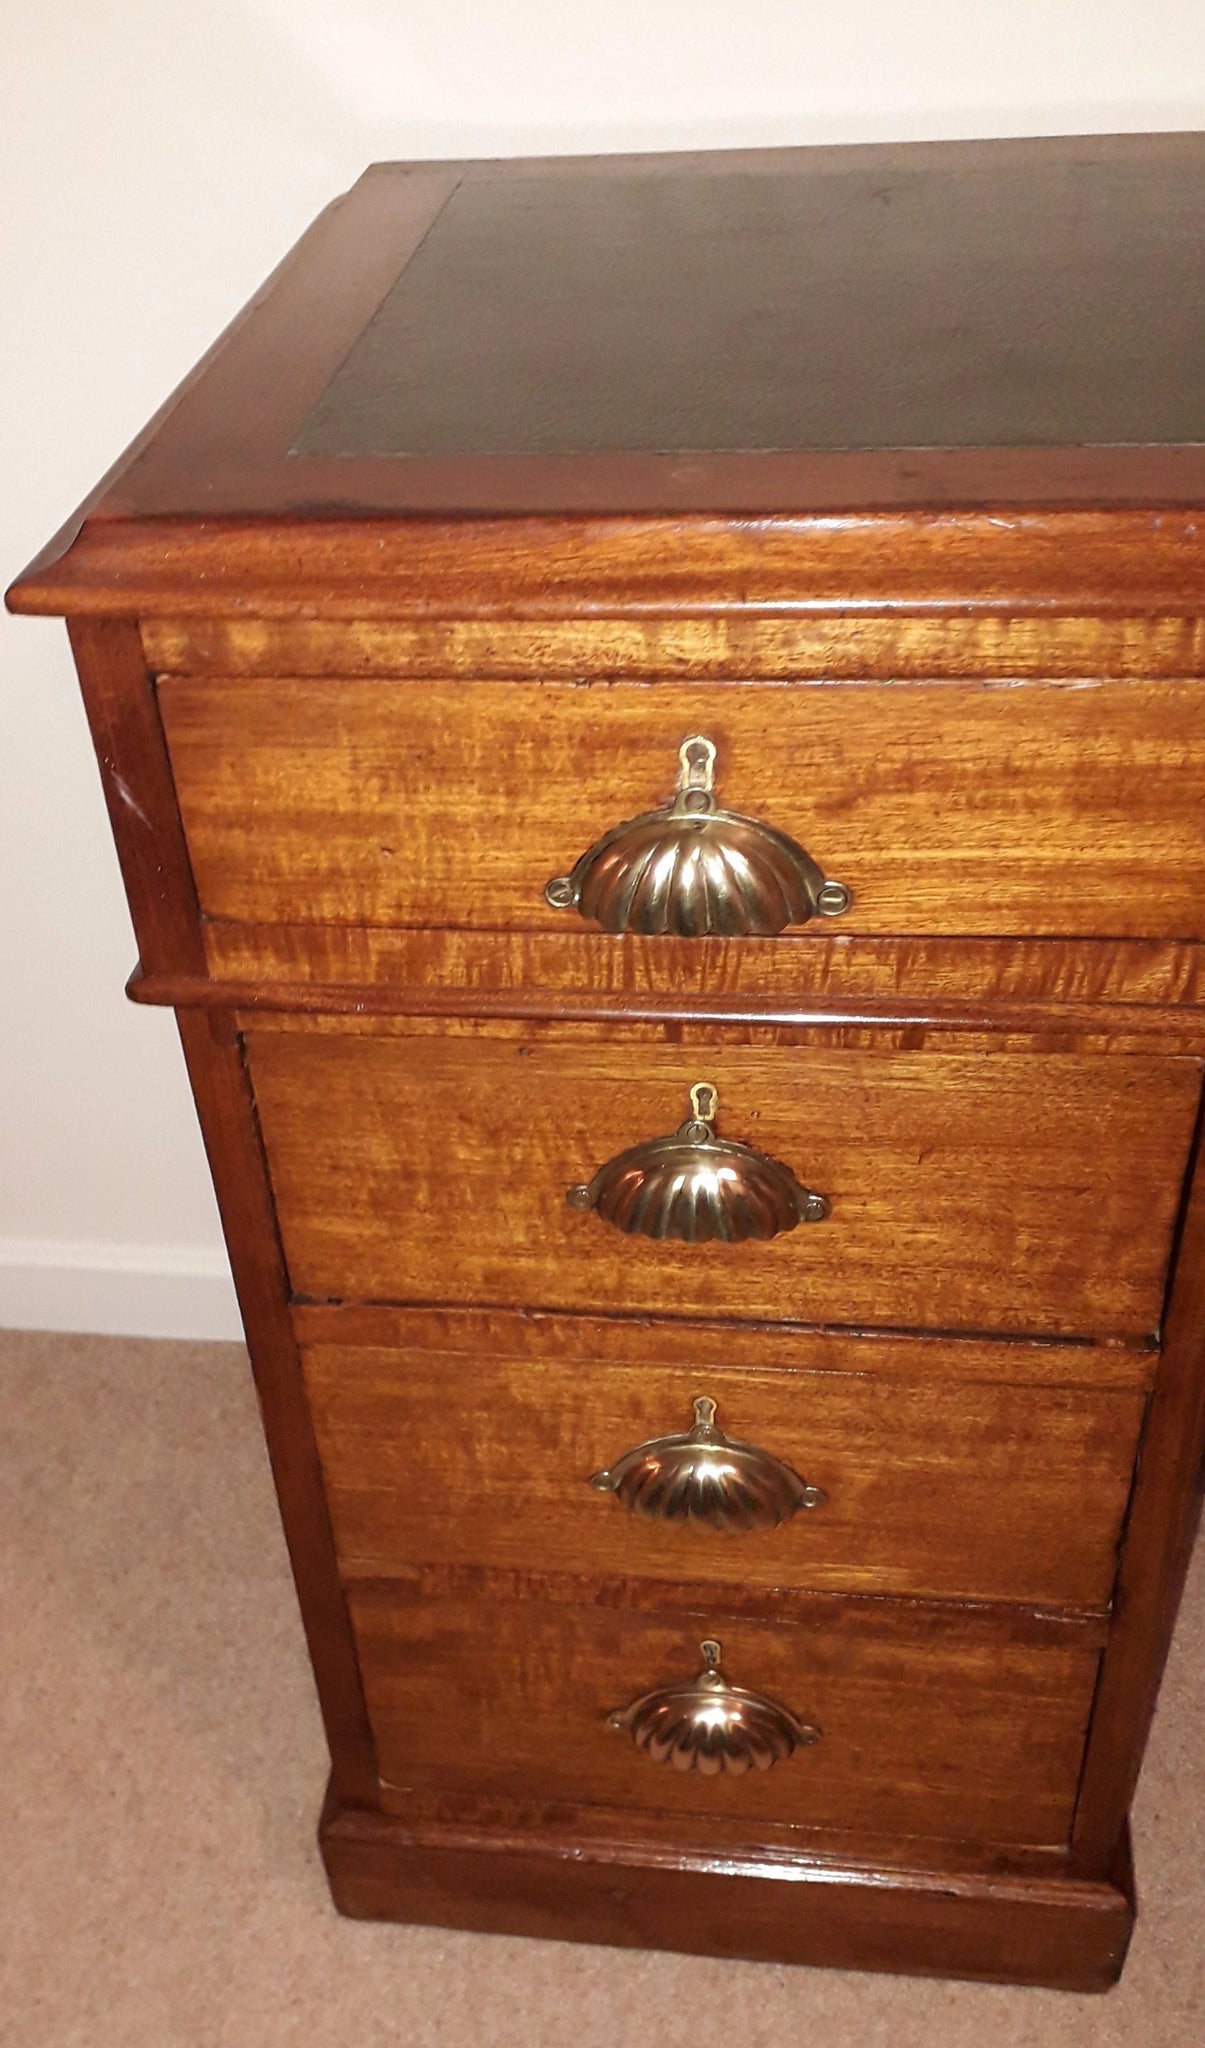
(1164, 1516)
(1011, 1193)
(925, 1726)
(461, 1336)
(1068, 991)
(975, 810)
(136, 777)
(219, 1083)
(788, 1606)
(1076, 995)
(614, 1832)
(727, 648)
(462, 1818)
(1088, 1032)
(966, 1492)
(1010, 559)
(468, 1817)
(938, 1922)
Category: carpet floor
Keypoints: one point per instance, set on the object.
(163, 1765)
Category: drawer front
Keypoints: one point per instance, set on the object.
(928, 1725)
(946, 808)
(1010, 1192)
(978, 1492)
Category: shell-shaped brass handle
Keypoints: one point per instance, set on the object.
(707, 1725)
(695, 1186)
(695, 869)
(704, 1476)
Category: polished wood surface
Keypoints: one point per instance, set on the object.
(219, 1081)
(842, 1912)
(136, 777)
(946, 810)
(463, 1336)
(1016, 557)
(1112, 990)
(969, 1492)
(352, 711)
(820, 645)
(928, 1724)
(612, 1832)
(1009, 1193)
(1164, 1516)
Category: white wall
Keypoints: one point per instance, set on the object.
(156, 160)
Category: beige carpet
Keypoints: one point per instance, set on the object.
(163, 1767)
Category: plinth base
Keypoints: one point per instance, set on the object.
(1063, 1932)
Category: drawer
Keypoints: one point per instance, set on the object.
(947, 808)
(932, 1724)
(1013, 1191)
(966, 1491)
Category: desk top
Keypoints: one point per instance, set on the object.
(792, 334)
(892, 300)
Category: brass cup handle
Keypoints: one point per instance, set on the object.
(694, 1186)
(703, 1476)
(705, 1724)
(696, 870)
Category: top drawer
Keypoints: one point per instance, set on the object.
(1066, 809)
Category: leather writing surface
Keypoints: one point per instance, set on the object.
(1046, 300)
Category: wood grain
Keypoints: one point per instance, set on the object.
(1095, 1031)
(136, 778)
(728, 648)
(220, 1089)
(976, 810)
(966, 1492)
(847, 1914)
(976, 1736)
(727, 1599)
(461, 1336)
(1017, 1193)
(466, 1819)
(1164, 1516)
(613, 1833)
(1073, 993)
(1011, 559)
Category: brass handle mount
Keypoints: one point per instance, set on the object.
(696, 870)
(707, 1725)
(701, 1475)
(694, 1186)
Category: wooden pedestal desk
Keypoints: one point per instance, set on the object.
(653, 713)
